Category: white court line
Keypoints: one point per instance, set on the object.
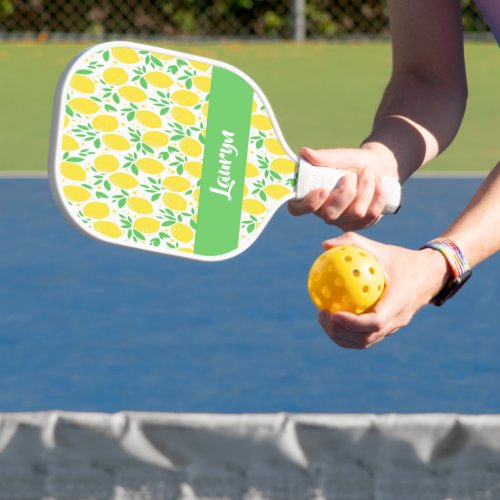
(453, 174)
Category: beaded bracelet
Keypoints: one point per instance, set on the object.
(459, 267)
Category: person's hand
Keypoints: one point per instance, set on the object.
(359, 199)
(413, 278)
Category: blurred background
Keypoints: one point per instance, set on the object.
(283, 19)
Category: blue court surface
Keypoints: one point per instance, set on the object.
(86, 326)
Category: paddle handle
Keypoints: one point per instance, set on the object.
(312, 177)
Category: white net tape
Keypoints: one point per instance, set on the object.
(154, 456)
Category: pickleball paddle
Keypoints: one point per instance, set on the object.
(172, 153)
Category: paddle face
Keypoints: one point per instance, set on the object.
(166, 152)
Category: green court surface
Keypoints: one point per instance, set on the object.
(324, 95)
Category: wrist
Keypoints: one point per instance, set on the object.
(388, 165)
(437, 273)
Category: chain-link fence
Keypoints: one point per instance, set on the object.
(206, 18)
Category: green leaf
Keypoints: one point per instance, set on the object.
(122, 202)
(83, 72)
(116, 98)
(155, 242)
(143, 82)
(69, 111)
(135, 170)
(101, 195)
(74, 159)
(109, 107)
(180, 170)
(139, 235)
(155, 196)
(105, 55)
(97, 143)
(250, 228)
(130, 116)
(107, 185)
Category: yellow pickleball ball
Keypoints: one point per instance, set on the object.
(346, 278)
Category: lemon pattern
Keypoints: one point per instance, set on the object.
(130, 160)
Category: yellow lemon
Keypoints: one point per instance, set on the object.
(251, 170)
(66, 121)
(116, 141)
(155, 139)
(157, 79)
(115, 76)
(196, 195)
(200, 65)
(96, 210)
(124, 181)
(125, 55)
(162, 57)
(176, 183)
(72, 171)
(107, 228)
(185, 98)
(190, 147)
(202, 83)
(185, 250)
(174, 201)
(83, 106)
(150, 166)
(105, 123)
(253, 207)
(204, 109)
(76, 193)
(245, 191)
(106, 163)
(254, 105)
(193, 168)
(148, 119)
(139, 205)
(274, 146)
(276, 191)
(69, 144)
(146, 225)
(181, 232)
(283, 166)
(183, 115)
(261, 122)
(132, 94)
(82, 84)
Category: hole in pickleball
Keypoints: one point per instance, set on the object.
(316, 276)
(372, 271)
(359, 309)
(336, 306)
(356, 273)
(330, 268)
(379, 288)
(362, 254)
(339, 281)
(346, 299)
(348, 258)
(366, 289)
(327, 293)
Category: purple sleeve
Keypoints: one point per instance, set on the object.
(490, 9)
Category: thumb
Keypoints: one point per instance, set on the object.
(353, 159)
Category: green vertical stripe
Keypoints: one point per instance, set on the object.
(224, 164)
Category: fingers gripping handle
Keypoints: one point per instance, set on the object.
(312, 177)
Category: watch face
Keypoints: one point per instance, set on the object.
(451, 288)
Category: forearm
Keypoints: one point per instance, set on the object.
(416, 120)
(477, 230)
(424, 103)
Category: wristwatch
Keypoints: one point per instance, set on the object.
(460, 270)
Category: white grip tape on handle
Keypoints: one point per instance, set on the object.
(312, 177)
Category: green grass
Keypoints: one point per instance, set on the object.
(324, 95)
